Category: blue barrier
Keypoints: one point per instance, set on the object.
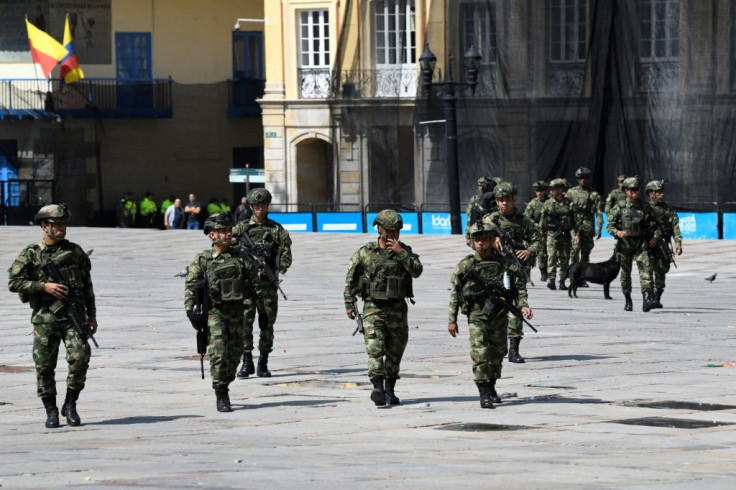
(438, 223)
(411, 222)
(340, 222)
(698, 226)
(729, 226)
(294, 221)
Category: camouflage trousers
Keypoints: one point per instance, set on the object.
(267, 308)
(541, 258)
(626, 258)
(224, 343)
(386, 333)
(488, 345)
(46, 340)
(515, 327)
(580, 252)
(558, 255)
(660, 267)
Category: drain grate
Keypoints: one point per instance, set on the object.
(481, 427)
(672, 423)
(705, 407)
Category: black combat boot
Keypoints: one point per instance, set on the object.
(389, 385)
(657, 298)
(248, 367)
(223, 399)
(551, 284)
(52, 413)
(648, 302)
(486, 397)
(628, 306)
(562, 283)
(543, 274)
(263, 371)
(69, 408)
(494, 395)
(514, 350)
(378, 394)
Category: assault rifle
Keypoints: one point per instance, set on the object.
(664, 245)
(259, 255)
(199, 318)
(509, 248)
(72, 304)
(558, 226)
(497, 299)
(359, 323)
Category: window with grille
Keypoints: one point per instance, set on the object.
(395, 32)
(567, 33)
(314, 39)
(479, 30)
(660, 30)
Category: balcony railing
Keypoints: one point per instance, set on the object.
(242, 94)
(89, 97)
(565, 79)
(379, 83)
(314, 83)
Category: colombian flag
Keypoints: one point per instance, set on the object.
(70, 69)
(46, 50)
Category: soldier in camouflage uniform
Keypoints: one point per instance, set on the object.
(482, 203)
(381, 272)
(263, 230)
(233, 285)
(557, 224)
(633, 225)
(523, 236)
(617, 196)
(51, 326)
(487, 332)
(533, 211)
(587, 206)
(669, 227)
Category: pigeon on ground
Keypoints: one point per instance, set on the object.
(183, 273)
(711, 278)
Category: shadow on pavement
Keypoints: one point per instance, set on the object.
(295, 403)
(568, 358)
(154, 419)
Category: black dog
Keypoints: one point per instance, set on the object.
(598, 273)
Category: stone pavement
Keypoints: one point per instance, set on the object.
(607, 399)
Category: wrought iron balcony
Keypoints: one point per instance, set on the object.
(314, 83)
(659, 76)
(565, 79)
(378, 83)
(89, 97)
(242, 94)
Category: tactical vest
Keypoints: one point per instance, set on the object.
(490, 271)
(387, 278)
(265, 234)
(537, 210)
(559, 216)
(225, 279)
(582, 203)
(65, 260)
(632, 221)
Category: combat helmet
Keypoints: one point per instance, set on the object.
(540, 185)
(504, 189)
(558, 183)
(480, 229)
(655, 185)
(259, 195)
(631, 183)
(621, 178)
(53, 213)
(582, 173)
(389, 220)
(217, 222)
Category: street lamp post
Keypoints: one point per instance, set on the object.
(447, 87)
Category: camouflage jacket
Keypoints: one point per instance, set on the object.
(272, 236)
(587, 206)
(522, 231)
(231, 276)
(637, 219)
(479, 207)
(27, 278)
(668, 222)
(616, 197)
(557, 219)
(491, 270)
(533, 209)
(370, 267)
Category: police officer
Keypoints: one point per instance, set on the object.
(533, 211)
(275, 240)
(381, 273)
(521, 234)
(633, 225)
(232, 286)
(51, 325)
(587, 206)
(669, 227)
(617, 196)
(557, 224)
(487, 332)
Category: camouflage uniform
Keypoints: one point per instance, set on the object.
(383, 279)
(557, 224)
(487, 333)
(483, 203)
(638, 220)
(49, 328)
(616, 197)
(586, 205)
(533, 211)
(668, 224)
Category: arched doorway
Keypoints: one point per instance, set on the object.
(314, 177)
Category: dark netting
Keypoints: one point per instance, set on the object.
(619, 86)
